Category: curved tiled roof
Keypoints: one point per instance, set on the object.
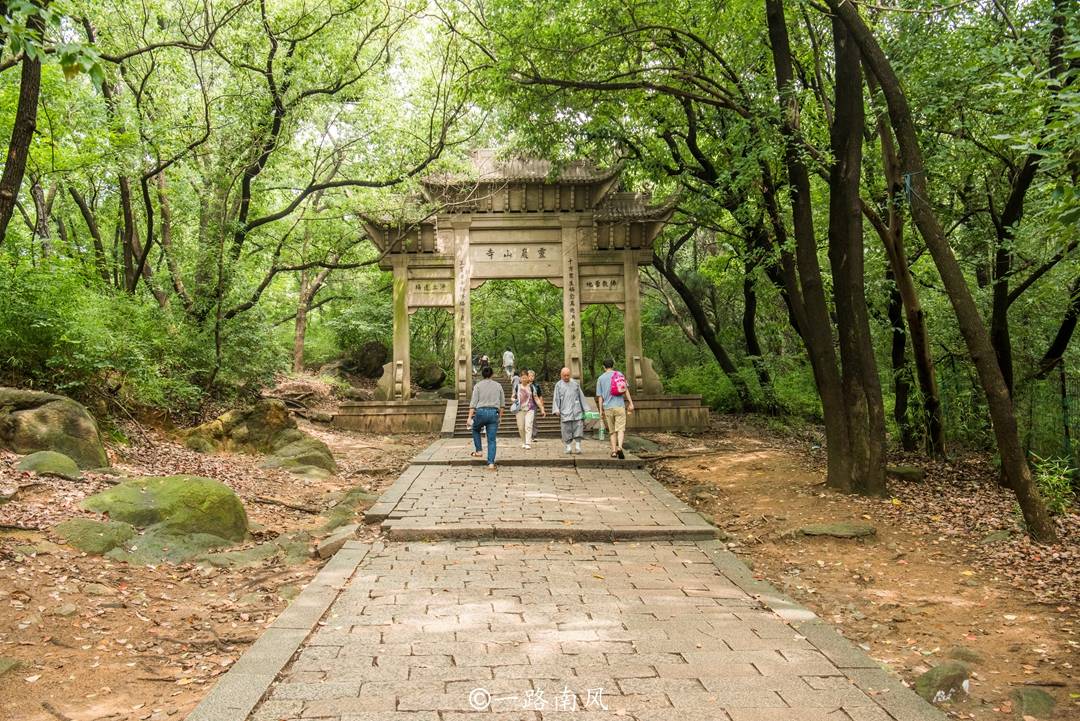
(487, 167)
(632, 206)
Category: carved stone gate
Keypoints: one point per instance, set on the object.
(516, 220)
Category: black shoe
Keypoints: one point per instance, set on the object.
(621, 454)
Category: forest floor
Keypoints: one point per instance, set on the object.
(928, 583)
(101, 640)
(110, 641)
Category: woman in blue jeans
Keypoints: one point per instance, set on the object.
(485, 411)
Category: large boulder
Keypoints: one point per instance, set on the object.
(33, 421)
(429, 376)
(175, 505)
(247, 429)
(50, 463)
(368, 359)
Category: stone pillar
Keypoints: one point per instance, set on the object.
(401, 386)
(635, 374)
(462, 311)
(571, 299)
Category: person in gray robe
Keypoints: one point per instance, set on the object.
(569, 404)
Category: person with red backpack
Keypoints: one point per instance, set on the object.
(614, 401)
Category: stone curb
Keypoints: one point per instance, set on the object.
(237, 693)
(390, 497)
(866, 674)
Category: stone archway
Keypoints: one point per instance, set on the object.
(517, 219)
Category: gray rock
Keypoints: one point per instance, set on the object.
(839, 529)
(332, 544)
(965, 654)
(65, 610)
(944, 682)
(33, 421)
(995, 537)
(1031, 701)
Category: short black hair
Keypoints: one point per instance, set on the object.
(609, 363)
(486, 371)
(507, 347)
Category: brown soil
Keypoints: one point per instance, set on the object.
(923, 586)
(148, 642)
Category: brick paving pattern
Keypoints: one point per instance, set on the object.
(559, 501)
(496, 629)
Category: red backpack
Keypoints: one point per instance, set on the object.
(618, 383)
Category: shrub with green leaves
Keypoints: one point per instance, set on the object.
(1054, 477)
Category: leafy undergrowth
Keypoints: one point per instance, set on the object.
(949, 571)
(99, 639)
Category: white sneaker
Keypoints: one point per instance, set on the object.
(568, 449)
(577, 448)
(527, 447)
(524, 445)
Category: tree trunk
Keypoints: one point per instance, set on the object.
(892, 237)
(900, 369)
(1060, 344)
(968, 318)
(41, 217)
(166, 246)
(22, 133)
(749, 325)
(95, 233)
(817, 330)
(859, 378)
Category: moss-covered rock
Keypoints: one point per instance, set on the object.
(160, 544)
(911, 474)
(34, 421)
(306, 452)
(1030, 701)
(944, 681)
(95, 537)
(8, 664)
(290, 548)
(250, 429)
(344, 511)
(175, 505)
(50, 463)
(839, 529)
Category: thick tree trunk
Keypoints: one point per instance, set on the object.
(901, 371)
(968, 318)
(817, 330)
(22, 133)
(859, 378)
(705, 330)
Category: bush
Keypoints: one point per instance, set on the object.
(1054, 477)
(708, 381)
(60, 332)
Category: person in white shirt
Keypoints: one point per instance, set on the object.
(508, 362)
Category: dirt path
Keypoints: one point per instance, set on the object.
(925, 586)
(103, 640)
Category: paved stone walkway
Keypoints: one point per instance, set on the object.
(536, 629)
